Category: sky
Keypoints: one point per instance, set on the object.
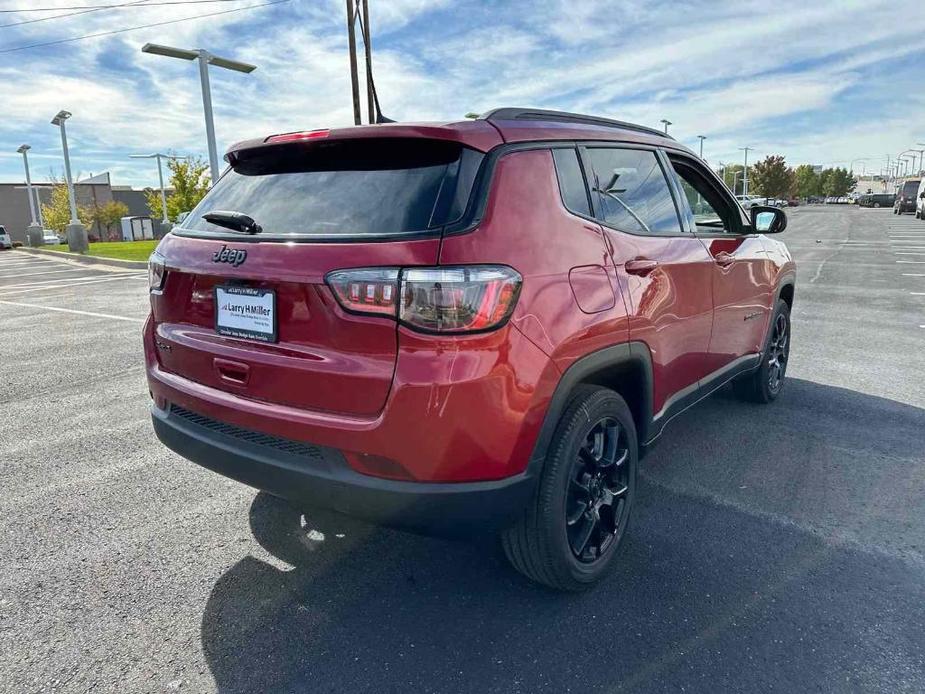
(833, 83)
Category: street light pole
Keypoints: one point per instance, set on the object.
(76, 234)
(666, 124)
(160, 178)
(702, 138)
(207, 110)
(745, 172)
(34, 231)
(205, 59)
(921, 152)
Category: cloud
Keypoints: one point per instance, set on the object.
(738, 73)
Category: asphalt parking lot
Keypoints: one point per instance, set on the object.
(777, 548)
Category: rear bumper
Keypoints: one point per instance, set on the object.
(319, 477)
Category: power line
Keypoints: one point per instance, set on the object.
(109, 7)
(60, 16)
(143, 26)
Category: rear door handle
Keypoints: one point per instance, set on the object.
(640, 266)
(723, 259)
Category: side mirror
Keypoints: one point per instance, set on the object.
(768, 220)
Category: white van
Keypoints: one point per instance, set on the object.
(5, 240)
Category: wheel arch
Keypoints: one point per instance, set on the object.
(625, 368)
(786, 292)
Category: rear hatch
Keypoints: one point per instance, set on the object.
(251, 314)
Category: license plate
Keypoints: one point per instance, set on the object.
(246, 312)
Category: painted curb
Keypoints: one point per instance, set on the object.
(87, 259)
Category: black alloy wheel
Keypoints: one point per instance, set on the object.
(598, 485)
(778, 353)
(569, 534)
(764, 383)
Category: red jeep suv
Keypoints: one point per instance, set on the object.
(463, 326)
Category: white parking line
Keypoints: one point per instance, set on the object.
(53, 280)
(912, 274)
(20, 263)
(75, 311)
(910, 262)
(64, 283)
(44, 272)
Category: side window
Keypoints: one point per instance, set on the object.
(710, 210)
(571, 181)
(631, 191)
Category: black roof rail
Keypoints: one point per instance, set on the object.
(566, 117)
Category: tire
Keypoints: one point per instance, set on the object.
(569, 535)
(765, 383)
(876, 204)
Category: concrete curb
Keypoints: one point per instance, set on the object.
(87, 259)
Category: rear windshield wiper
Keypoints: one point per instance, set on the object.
(236, 221)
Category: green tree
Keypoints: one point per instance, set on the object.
(189, 182)
(806, 181)
(771, 177)
(837, 182)
(109, 214)
(57, 213)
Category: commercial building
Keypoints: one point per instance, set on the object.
(90, 192)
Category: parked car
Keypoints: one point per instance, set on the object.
(50, 238)
(920, 201)
(5, 240)
(906, 197)
(749, 201)
(424, 327)
(876, 200)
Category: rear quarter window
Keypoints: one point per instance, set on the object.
(571, 181)
(344, 188)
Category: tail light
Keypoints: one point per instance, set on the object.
(157, 272)
(368, 290)
(459, 299)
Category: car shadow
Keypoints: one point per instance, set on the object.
(705, 596)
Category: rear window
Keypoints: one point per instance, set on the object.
(910, 188)
(345, 188)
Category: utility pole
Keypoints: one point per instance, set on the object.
(160, 177)
(352, 48)
(76, 234)
(205, 59)
(921, 167)
(745, 172)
